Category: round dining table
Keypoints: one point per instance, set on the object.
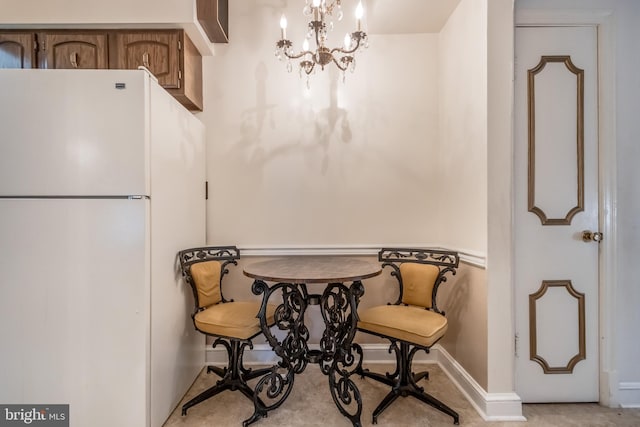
(286, 282)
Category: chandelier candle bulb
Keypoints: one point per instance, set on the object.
(347, 41)
(359, 14)
(283, 26)
(316, 9)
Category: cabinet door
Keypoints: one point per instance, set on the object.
(73, 50)
(17, 50)
(158, 51)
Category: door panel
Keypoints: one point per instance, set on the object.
(74, 50)
(17, 50)
(556, 187)
(156, 51)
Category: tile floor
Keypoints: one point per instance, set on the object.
(310, 404)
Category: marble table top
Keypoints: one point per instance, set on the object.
(312, 269)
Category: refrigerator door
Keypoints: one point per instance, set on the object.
(74, 132)
(74, 298)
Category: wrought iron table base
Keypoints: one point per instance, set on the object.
(337, 354)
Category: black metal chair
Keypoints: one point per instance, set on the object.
(232, 323)
(412, 323)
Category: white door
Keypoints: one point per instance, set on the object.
(556, 199)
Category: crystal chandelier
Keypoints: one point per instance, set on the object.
(343, 57)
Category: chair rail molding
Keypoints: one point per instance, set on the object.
(474, 258)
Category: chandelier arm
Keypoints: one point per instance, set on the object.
(345, 51)
(298, 55)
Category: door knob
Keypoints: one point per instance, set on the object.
(595, 236)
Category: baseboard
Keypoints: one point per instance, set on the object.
(379, 354)
(490, 406)
(629, 395)
(262, 354)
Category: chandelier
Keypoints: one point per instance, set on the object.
(321, 11)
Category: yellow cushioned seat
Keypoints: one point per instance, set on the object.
(406, 323)
(233, 319)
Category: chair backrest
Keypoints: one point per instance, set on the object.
(419, 272)
(418, 281)
(206, 277)
(203, 269)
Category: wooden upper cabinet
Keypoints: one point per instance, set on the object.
(71, 49)
(168, 54)
(17, 50)
(158, 51)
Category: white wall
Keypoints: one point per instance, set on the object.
(626, 62)
(500, 311)
(462, 152)
(628, 149)
(349, 163)
(462, 170)
(475, 103)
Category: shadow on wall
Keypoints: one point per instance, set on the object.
(464, 298)
(454, 301)
(331, 123)
(252, 119)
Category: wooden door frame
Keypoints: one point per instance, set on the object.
(604, 23)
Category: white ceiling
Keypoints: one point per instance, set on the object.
(406, 16)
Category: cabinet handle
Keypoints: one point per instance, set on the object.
(74, 59)
(145, 60)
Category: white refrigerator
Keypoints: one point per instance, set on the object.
(102, 182)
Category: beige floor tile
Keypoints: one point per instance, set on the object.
(310, 404)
